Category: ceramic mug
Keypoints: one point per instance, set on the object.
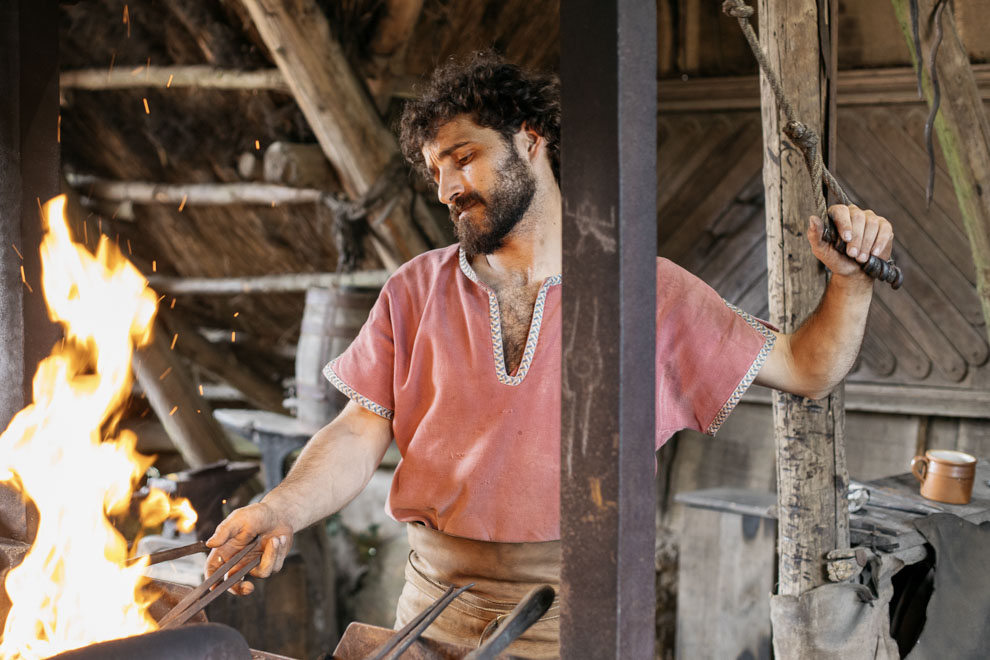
(945, 475)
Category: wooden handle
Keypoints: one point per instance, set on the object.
(919, 468)
(875, 267)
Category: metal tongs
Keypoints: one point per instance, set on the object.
(209, 591)
(414, 629)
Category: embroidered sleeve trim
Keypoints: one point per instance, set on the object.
(754, 369)
(495, 324)
(354, 395)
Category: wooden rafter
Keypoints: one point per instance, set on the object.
(204, 77)
(265, 283)
(342, 116)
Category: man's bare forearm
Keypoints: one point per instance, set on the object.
(334, 466)
(819, 354)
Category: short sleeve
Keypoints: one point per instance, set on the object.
(364, 372)
(708, 353)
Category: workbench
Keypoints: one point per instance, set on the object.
(727, 564)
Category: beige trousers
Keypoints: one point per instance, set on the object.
(503, 574)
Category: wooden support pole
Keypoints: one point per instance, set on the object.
(607, 478)
(201, 77)
(811, 471)
(186, 416)
(339, 111)
(963, 130)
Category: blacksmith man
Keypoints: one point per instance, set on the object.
(460, 362)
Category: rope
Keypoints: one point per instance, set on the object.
(350, 217)
(806, 140)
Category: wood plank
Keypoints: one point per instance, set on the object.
(903, 400)
(906, 150)
(748, 270)
(927, 333)
(970, 343)
(871, 143)
(725, 574)
(863, 185)
(974, 437)
(877, 356)
(911, 358)
(856, 87)
(879, 444)
(754, 299)
(728, 252)
(963, 130)
(723, 244)
(742, 159)
(684, 154)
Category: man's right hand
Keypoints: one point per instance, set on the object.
(238, 530)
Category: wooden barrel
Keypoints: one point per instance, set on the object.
(331, 320)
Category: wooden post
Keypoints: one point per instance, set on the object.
(187, 418)
(222, 362)
(811, 473)
(342, 116)
(963, 131)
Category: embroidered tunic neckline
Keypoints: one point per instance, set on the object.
(495, 323)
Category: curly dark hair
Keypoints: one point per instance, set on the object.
(495, 93)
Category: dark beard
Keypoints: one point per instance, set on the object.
(507, 204)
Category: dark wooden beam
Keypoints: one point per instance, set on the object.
(29, 176)
(608, 78)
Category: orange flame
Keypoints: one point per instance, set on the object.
(72, 588)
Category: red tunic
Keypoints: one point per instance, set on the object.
(480, 447)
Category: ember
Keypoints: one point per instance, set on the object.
(64, 453)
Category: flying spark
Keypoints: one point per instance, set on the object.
(182, 204)
(154, 267)
(172, 412)
(169, 83)
(127, 21)
(147, 110)
(17, 251)
(24, 279)
(175, 338)
(165, 374)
